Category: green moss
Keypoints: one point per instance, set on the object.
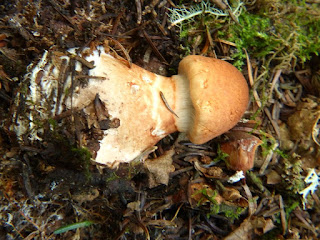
(281, 33)
(231, 212)
(214, 210)
(221, 156)
(293, 180)
(268, 144)
(53, 123)
(291, 208)
(211, 195)
(84, 157)
(252, 34)
(258, 183)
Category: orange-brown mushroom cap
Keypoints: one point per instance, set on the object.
(219, 94)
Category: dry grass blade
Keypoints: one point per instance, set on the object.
(125, 52)
(283, 216)
(252, 81)
(252, 203)
(139, 11)
(154, 48)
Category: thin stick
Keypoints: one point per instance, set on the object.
(275, 80)
(251, 81)
(138, 5)
(167, 105)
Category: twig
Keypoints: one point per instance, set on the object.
(273, 122)
(116, 23)
(123, 50)
(274, 81)
(138, 5)
(57, 7)
(282, 215)
(268, 158)
(251, 81)
(186, 169)
(154, 48)
(251, 202)
(167, 105)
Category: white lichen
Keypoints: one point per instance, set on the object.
(313, 179)
(236, 177)
(179, 15)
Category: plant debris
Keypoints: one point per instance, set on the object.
(50, 188)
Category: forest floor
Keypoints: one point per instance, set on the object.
(51, 188)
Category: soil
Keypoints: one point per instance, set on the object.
(51, 189)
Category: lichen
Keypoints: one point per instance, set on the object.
(312, 179)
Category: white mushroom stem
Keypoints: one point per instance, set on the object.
(132, 95)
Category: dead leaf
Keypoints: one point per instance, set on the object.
(86, 196)
(232, 197)
(250, 226)
(273, 177)
(231, 194)
(134, 206)
(201, 193)
(158, 169)
(209, 172)
(10, 53)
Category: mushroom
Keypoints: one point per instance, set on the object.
(241, 149)
(134, 107)
(207, 98)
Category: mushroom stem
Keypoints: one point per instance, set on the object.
(132, 95)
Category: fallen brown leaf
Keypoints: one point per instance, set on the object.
(249, 226)
(158, 169)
